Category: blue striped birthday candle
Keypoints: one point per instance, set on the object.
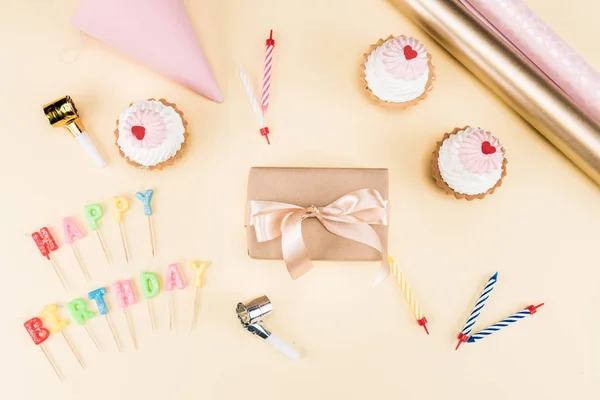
(463, 336)
(529, 310)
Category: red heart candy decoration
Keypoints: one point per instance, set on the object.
(138, 131)
(409, 53)
(487, 148)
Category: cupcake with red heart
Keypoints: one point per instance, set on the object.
(469, 163)
(151, 134)
(398, 71)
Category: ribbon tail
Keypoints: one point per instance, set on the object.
(293, 248)
(384, 270)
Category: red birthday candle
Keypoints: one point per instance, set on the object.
(46, 245)
(39, 334)
(268, 68)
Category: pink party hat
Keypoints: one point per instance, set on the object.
(158, 33)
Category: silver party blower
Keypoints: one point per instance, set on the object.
(251, 315)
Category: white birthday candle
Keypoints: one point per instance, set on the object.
(256, 108)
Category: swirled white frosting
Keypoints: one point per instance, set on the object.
(150, 132)
(458, 173)
(382, 73)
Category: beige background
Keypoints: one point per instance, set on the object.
(540, 230)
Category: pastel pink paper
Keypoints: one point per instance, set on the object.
(174, 277)
(71, 230)
(536, 40)
(158, 33)
(125, 293)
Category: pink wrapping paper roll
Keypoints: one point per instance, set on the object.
(538, 42)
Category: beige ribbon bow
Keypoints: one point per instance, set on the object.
(350, 216)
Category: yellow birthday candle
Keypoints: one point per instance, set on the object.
(198, 268)
(55, 324)
(408, 294)
(120, 205)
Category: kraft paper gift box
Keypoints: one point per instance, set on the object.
(306, 187)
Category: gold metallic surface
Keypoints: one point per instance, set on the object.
(62, 112)
(514, 79)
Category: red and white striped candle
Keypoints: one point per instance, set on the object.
(266, 86)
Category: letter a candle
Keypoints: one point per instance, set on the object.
(174, 279)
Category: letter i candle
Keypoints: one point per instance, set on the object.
(174, 279)
(120, 205)
(46, 244)
(463, 336)
(98, 296)
(125, 298)
(199, 268)
(150, 288)
(145, 199)
(93, 213)
(408, 295)
(39, 334)
(50, 313)
(71, 231)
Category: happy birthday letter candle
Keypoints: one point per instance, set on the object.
(145, 199)
(46, 245)
(463, 336)
(98, 296)
(39, 334)
(174, 279)
(80, 313)
(150, 288)
(125, 298)
(56, 325)
(72, 231)
(199, 268)
(120, 205)
(93, 213)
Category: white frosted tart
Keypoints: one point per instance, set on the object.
(469, 163)
(151, 133)
(398, 70)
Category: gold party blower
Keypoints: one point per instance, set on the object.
(62, 112)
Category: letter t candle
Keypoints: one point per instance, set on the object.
(62, 112)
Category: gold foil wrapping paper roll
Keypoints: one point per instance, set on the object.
(512, 77)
